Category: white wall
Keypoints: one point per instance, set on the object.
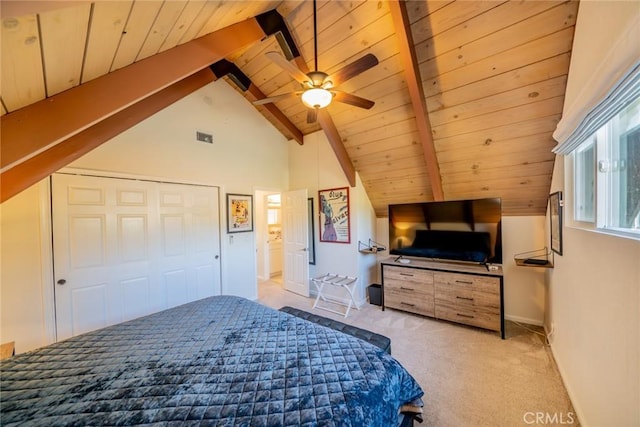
(22, 309)
(594, 288)
(594, 312)
(314, 166)
(316, 155)
(247, 151)
(524, 287)
(598, 26)
(365, 229)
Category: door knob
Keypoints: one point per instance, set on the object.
(217, 256)
(61, 282)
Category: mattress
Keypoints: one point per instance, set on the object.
(218, 361)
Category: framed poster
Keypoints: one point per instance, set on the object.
(239, 213)
(334, 215)
(555, 215)
(312, 243)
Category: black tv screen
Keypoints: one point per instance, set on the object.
(458, 230)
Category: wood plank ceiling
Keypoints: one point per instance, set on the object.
(493, 74)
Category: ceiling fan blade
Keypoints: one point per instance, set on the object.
(293, 71)
(354, 100)
(312, 115)
(275, 98)
(350, 71)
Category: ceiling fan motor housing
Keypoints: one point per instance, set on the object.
(318, 79)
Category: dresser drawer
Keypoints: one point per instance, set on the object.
(408, 275)
(459, 297)
(466, 282)
(409, 301)
(468, 297)
(424, 289)
(467, 315)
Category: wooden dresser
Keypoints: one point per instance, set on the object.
(7, 350)
(458, 292)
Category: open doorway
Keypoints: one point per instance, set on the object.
(283, 234)
(274, 237)
(269, 238)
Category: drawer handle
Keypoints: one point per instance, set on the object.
(464, 282)
(465, 315)
(406, 274)
(406, 289)
(465, 298)
(406, 303)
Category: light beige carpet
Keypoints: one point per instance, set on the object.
(470, 377)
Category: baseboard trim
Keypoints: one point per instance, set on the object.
(525, 320)
(576, 407)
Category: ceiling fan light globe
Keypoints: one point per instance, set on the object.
(316, 98)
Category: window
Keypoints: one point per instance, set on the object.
(606, 175)
(600, 127)
(585, 182)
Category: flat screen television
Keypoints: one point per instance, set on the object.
(458, 230)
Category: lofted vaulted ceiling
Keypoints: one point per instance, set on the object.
(467, 93)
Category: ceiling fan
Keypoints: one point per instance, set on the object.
(318, 88)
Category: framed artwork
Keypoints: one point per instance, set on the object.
(555, 215)
(239, 213)
(312, 243)
(334, 215)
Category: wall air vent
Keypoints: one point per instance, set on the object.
(204, 137)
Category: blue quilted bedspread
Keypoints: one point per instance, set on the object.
(218, 361)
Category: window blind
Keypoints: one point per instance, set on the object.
(612, 86)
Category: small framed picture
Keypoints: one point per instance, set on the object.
(334, 215)
(555, 216)
(239, 213)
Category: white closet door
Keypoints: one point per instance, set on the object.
(126, 248)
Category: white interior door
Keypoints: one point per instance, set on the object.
(295, 229)
(127, 248)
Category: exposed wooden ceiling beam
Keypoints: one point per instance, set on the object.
(227, 68)
(47, 162)
(31, 130)
(414, 83)
(330, 130)
(255, 94)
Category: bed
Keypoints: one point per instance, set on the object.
(218, 361)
